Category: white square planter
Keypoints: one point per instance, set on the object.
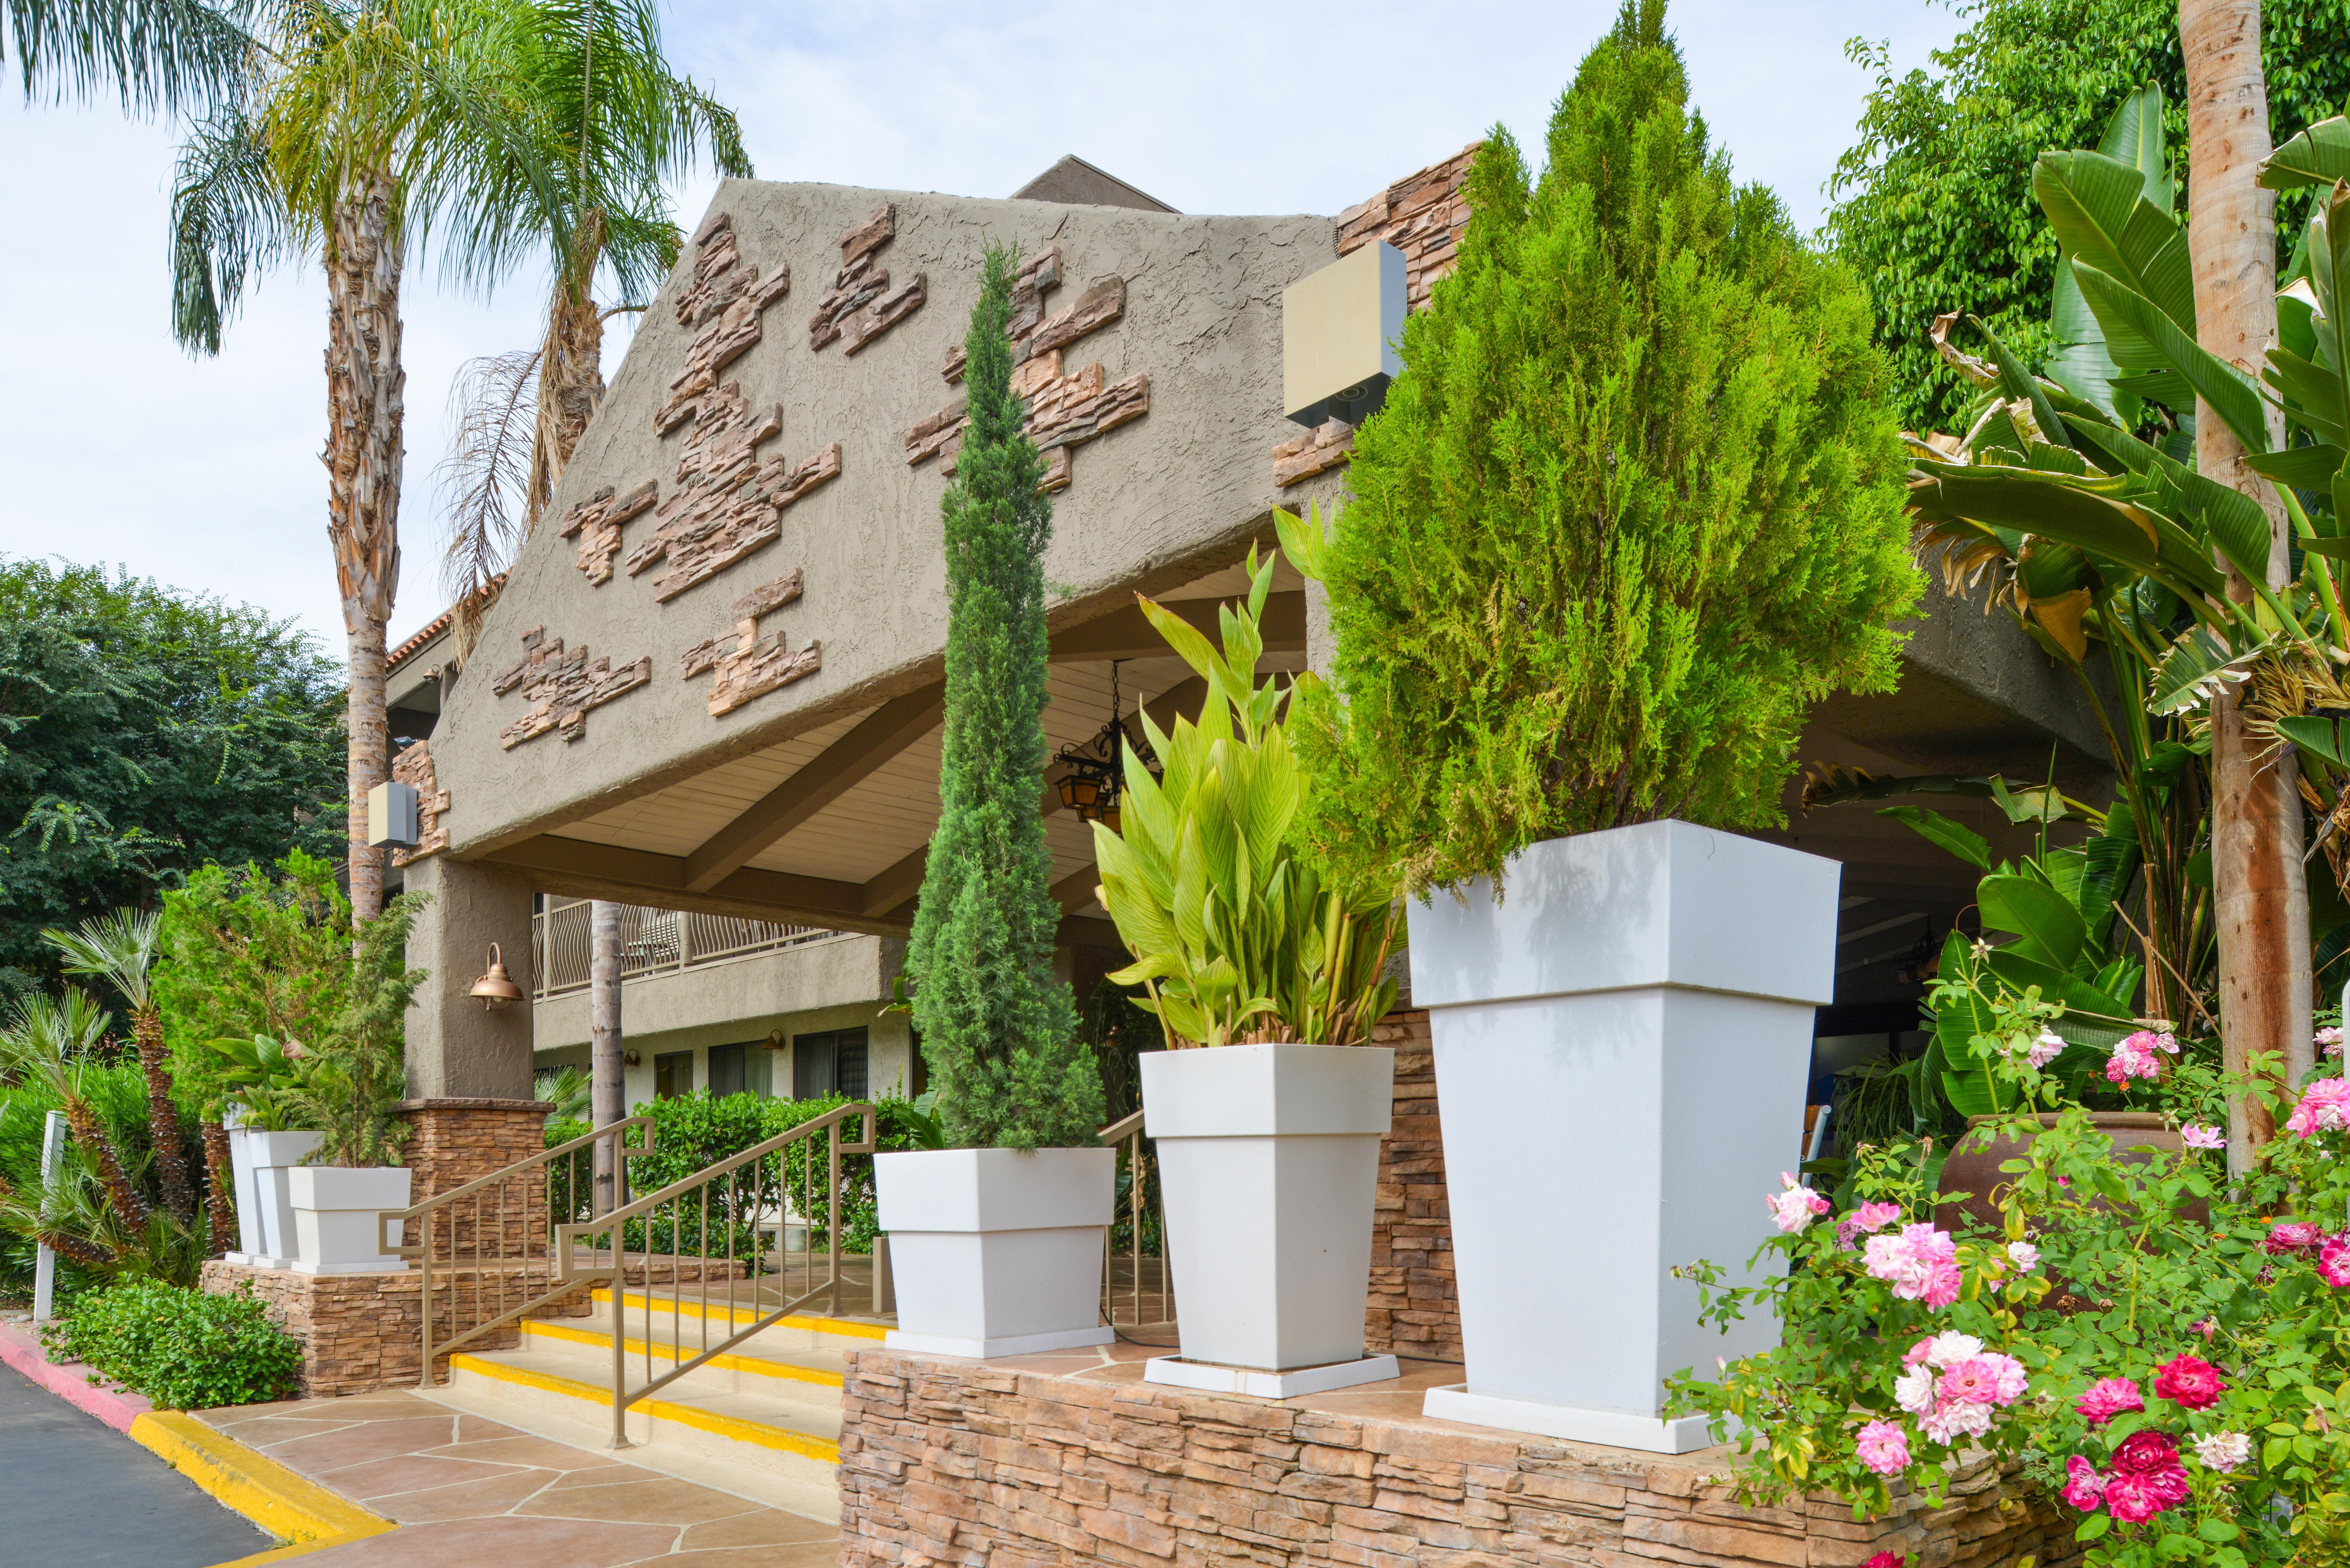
(996, 1253)
(247, 1193)
(1269, 1158)
(339, 1226)
(270, 1244)
(1620, 1049)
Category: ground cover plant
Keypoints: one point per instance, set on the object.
(184, 1349)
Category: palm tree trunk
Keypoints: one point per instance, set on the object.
(99, 1149)
(364, 386)
(2262, 903)
(570, 382)
(163, 1116)
(220, 1209)
(608, 1090)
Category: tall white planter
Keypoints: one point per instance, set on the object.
(273, 1155)
(339, 1210)
(994, 1251)
(1269, 1162)
(249, 1247)
(1621, 1049)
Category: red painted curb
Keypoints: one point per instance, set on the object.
(72, 1383)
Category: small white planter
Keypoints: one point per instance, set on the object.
(339, 1226)
(1269, 1156)
(996, 1253)
(249, 1247)
(1620, 1049)
(272, 1156)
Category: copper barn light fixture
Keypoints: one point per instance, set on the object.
(496, 988)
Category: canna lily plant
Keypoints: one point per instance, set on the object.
(1236, 938)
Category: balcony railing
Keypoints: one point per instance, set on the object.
(652, 942)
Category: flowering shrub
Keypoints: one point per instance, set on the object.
(2182, 1387)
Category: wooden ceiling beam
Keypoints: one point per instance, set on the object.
(847, 762)
(889, 889)
(581, 870)
(1125, 634)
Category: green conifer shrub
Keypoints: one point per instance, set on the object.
(997, 1029)
(1632, 506)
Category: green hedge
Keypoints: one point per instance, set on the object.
(183, 1349)
(696, 1131)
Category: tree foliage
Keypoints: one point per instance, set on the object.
(997, 1028)
(144, 732)
(1934, 205)
(1632, 507)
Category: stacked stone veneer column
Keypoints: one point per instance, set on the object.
(950, 1461)
(1414, 1309)
(454, 1142)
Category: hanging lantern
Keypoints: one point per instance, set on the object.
(496, 988)
(1094, 774)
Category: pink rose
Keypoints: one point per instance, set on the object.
(1796, 1206)
(1883, 1446)
(1861, 1221)
(2194, 1135)
(1886, 1560)
(2334, 1261)
(2328, 1039)
(2023, 1255)
(1948, 1422)
(2136, 1497)
(2292, 1236)
(2107, 1399)
(2189, 1380)
(2324, 1107)
(1914, 1391)
(1918, 1262)
(2084, 1488)
(1974, 1381)
(2044, 1050)
(2134, 1058)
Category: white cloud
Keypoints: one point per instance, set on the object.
(117, 446)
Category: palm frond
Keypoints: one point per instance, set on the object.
(228, 223)
(485, 476)
(117, 947)
(166, 55)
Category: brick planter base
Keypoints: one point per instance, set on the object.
(1062, 1460)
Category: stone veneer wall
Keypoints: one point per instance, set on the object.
(950, 1461)
(451, 1142)
(1413, 1309)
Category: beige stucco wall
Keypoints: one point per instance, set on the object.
(1149, 500)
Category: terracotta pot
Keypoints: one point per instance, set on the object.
(1973, 1165)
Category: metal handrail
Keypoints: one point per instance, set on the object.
(606, 1152)
(1128, 1131)
(645, 1211)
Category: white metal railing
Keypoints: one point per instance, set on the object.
(652, 942)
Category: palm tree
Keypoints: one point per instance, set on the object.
(363, 125)
(615, 125)
(120, 949)
(51, 1040)
(2262, 901)
(156, 54)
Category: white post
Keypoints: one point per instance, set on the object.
(45, 1262)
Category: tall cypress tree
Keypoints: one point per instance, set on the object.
(1632, 508)
(998, 1030)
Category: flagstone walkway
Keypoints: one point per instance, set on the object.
(470, 1494)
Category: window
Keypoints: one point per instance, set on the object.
(743, 1069)
(829, 1063)
(672, 1075)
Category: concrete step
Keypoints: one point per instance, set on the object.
(763, 1422)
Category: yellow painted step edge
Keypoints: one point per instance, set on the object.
(300, 1512)
(727, 1359)
(733, 1427)
(846, 1327)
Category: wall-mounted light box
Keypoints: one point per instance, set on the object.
(391, 815)
(1340, 328)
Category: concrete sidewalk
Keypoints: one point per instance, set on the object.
(468, 1493)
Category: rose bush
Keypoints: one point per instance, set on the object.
(2182, 1387)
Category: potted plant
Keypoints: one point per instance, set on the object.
(996, 1243)
(265, 1145)
(1632, 508)
(1268, 1135)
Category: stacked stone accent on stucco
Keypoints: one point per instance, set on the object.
(747, 664)
(860, 306)
(562, 686)
(452, 1143)
(1414, 1309)
(953, 1461)
(727, 302)
(728, 502)
(1422, 215)
(413, 767)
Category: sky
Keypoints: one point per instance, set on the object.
(115, 447)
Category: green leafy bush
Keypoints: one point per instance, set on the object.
(1632, 508)
(183, 1349)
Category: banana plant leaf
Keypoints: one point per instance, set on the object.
(2302, 467)
(2318, 155)
(2195, 669)
(2103, 220)
(2047, 927)
(1938, 830)
(2142, 337)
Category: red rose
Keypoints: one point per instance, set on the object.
(2190, 1380)
(2145, 1453)
(1886, 1560)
